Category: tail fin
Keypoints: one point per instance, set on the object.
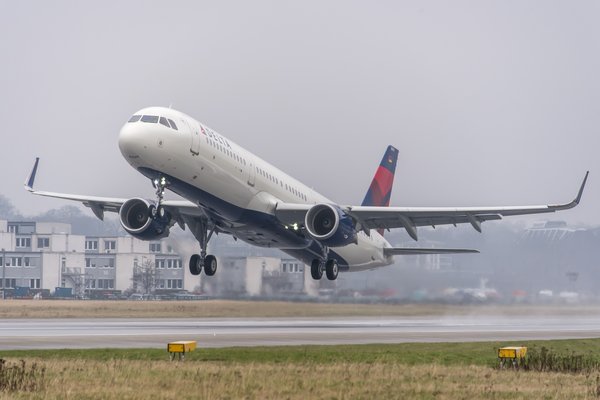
(380, 190)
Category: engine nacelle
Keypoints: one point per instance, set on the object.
(140, 219)
(330, 225)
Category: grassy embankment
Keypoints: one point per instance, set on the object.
(402, 371)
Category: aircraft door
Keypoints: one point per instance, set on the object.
(251, 173)
(195, 143)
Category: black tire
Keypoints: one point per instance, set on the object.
(331, 269)
(316, 269)
(210, 265)
(195, 264)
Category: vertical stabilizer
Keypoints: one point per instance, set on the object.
(380, 190)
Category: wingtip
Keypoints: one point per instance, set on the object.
(31, 179)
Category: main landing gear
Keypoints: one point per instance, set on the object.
(330, 266)
(209, 263)
(200, 229)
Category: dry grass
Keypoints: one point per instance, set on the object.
(250, 309)
(121, 379)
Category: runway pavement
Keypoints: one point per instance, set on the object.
(124, 333)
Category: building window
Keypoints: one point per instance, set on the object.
(43, 243)
(27, 262)
(12, 229)
(16, 262)
(110, 245)
(155, 247)
(160, 264)
(23, 242)
(10, 283)
(34, 283)
(174, 283)
(91, 245)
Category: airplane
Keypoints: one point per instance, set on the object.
(228, 190)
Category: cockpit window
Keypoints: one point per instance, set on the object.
(150, 118)
(173, 124)
(163, 121)
(134, 118)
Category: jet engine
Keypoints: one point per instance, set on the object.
(330, 225)
(142, 220)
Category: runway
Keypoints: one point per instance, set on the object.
(155, 333)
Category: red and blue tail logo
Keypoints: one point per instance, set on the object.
(380, 191)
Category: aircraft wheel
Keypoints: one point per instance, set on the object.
(195, 264)
(316, 269)
(331, 269)
(210, 265)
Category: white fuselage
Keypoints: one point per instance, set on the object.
(235, 188)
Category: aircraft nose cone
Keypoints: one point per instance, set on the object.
(130, 140)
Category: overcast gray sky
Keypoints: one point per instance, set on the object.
(489, 102)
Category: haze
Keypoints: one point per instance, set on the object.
(489, 103)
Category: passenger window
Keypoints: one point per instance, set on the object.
(150, 119)
(163, 121)
(173, 124)
(135, 118)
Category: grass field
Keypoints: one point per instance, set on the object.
(402, 371)
(255, 309)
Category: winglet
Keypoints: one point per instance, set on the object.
(578, 198)
(31, 179)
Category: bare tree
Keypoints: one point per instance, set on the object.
(145, 277)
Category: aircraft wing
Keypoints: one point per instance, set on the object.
(410, 251)
(111, 204)
(409, 218)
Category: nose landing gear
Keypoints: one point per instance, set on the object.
(160, 184)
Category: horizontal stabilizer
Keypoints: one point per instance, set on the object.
(412, 251)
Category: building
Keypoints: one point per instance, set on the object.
(45, 256)
(42, 257)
